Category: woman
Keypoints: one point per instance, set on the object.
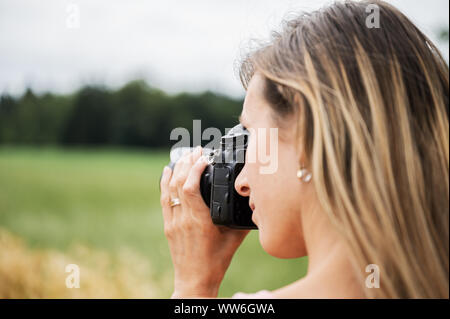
(363, 163)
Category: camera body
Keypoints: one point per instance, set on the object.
(226, 206)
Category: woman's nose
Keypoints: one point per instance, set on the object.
(241, 184)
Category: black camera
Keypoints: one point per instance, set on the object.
(226, 206)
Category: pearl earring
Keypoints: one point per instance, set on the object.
(304, 174)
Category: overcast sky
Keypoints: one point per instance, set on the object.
(59, 45)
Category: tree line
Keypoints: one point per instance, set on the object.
(135, 115)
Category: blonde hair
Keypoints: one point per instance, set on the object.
(372, 109)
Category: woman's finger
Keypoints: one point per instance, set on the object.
(197, 153)
(191, 188)
(176, 183)
(173, 188)
(186, 164)
(165, 194)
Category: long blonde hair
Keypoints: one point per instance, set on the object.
(372, 109)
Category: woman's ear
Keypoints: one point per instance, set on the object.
(302, 160)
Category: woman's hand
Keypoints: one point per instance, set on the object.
(201, 251)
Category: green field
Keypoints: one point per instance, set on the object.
(109, 199)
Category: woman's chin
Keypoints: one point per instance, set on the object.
(268, 245)
(254, 218)
(279, 249)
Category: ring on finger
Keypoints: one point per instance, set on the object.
(174, 202)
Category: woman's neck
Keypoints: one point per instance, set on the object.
(330, 271)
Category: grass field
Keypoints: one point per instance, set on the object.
(54, 201)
